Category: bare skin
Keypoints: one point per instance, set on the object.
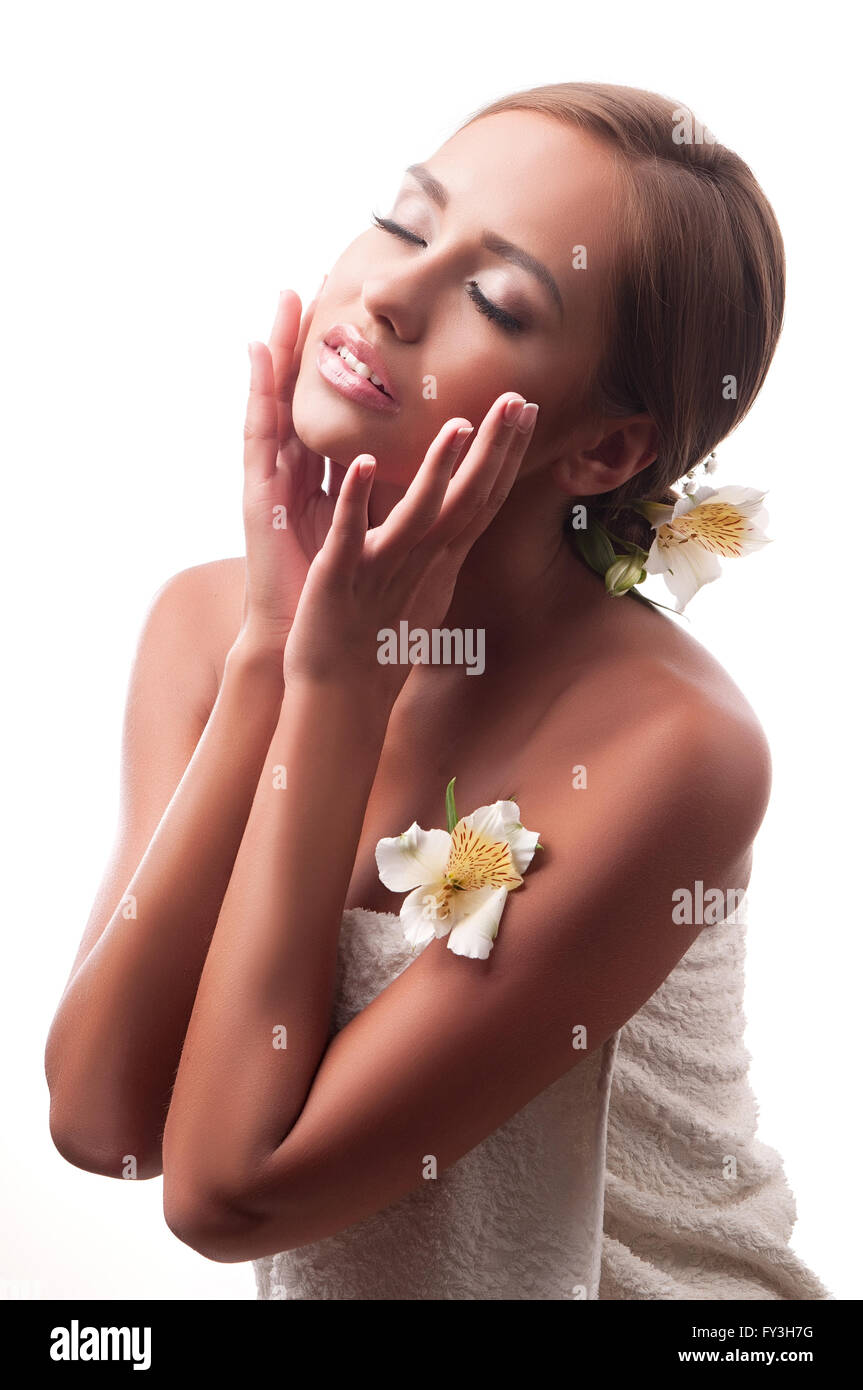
(678, 765)
(609, 679)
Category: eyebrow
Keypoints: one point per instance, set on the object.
(498, 245)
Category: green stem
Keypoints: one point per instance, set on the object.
(642, 598)
(451, 817)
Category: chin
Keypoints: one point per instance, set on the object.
(339, 430)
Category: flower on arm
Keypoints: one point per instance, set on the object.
(457, 879)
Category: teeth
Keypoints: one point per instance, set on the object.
(359, 367)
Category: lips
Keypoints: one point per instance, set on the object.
(345, 335)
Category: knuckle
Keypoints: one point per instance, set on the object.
(424, 518)
(474, 497)
(263, 429)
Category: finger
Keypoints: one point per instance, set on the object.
(284, 336)
(305, 470)
(261, 428)
(346, 537)
(287, 338)
(482, 484)
(412, 516)
(520, 443)
(337, 477)
(479, 469)
(291, 339)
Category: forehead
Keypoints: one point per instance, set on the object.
(545, 185)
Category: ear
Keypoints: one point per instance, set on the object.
(606, 458)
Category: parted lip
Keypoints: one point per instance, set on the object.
(345, 335)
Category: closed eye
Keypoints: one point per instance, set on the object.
(507, 321)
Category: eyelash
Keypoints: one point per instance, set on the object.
(507, 321)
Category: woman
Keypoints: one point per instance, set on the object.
(348, 1085)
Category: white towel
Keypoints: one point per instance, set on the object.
(695, 1206)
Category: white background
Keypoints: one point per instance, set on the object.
(167, 169)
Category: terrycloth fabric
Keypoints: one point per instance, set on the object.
(695, 1206)
(616, 1182)
(519, 1216)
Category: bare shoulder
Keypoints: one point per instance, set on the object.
(207, 600)
(709, 710)
(661, 723)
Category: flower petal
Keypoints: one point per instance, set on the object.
(685, 569)
(492, 820)
(657, 513)
(474, 933)
(502, 821)
(688, 502)
(746, 499)
(416, 857)
(420, 915)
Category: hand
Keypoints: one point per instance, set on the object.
(363, 580)
(286, 514)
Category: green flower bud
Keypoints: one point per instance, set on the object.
(624, 574)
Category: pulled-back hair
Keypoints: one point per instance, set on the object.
(699, 290)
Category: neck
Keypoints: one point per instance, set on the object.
(521, 577)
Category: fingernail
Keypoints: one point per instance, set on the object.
(528, 414)
(459, 437)
(512, 410)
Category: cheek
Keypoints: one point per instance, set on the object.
(461, 375)
(472, 380)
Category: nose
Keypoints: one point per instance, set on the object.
(389, 311)
(397, 300)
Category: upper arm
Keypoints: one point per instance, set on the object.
(454, 1046)
(172, 688)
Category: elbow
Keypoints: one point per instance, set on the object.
(216, 1229)
(108, 1156)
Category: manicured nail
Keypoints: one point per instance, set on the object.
(459, 437)
(512, 410)
(366, 467)
(526, 418)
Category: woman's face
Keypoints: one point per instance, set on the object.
(516, 177)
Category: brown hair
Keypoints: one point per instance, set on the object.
(699, 292)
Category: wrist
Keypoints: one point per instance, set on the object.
(360, 701)
(257, 657)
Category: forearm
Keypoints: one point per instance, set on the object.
(262, 1015)
(116, 1038)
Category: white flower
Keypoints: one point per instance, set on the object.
(457, 883)
(703, 525)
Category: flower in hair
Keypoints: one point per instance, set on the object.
(691, 535)
(457, 879)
